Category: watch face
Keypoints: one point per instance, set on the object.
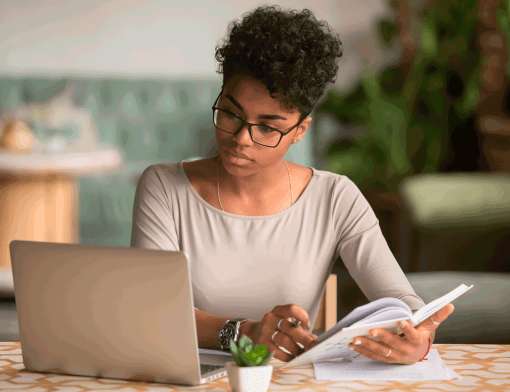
(226, 334)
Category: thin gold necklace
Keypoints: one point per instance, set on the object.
(218, 184)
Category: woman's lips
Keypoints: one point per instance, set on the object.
(235, 159)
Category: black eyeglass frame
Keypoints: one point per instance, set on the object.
(243, 123)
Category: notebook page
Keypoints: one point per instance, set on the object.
(361, 312)
(432, 307)
(363, 368)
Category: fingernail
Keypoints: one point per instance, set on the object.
(357, 342)
(351, 348)
(309, 325)
(402, 324)
(373, 334)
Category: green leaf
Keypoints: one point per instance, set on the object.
(415, 138)
(266, 359)
(347, 108)
(249, 355)
(435, 82)
(245, 344)
(460, 45)
(351, 111)
(471, 97)
(371, 86)
(392, 81)
(434, 151)
(235, 353)
(436, 100)
(428, 40)
(388, 30)
(257, 354)
(340, 146)
(503, 22)
(375, 151)
(387, 127)
(347, 162)
(247, 361)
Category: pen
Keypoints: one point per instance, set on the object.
(297, 323)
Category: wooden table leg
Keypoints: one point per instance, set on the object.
(37, 208)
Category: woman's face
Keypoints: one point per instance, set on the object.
(249, 99)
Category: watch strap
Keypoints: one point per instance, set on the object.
(236, 323)
(238, 326)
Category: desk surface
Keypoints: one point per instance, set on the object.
(483, 368)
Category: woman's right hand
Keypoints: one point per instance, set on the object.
(288, 335)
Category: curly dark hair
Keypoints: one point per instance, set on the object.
(289, 51)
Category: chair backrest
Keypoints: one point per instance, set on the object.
(455, 222)
(327, 316)
(481, 316)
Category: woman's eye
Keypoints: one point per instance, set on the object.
(265, 129)
(230, 114)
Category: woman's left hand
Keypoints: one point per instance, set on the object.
(406, 349)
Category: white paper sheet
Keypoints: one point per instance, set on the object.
(363, 368)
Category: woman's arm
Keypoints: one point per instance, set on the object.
(154, 228)
(208, 329)
(372, 265)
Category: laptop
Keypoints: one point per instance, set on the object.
(113, 312)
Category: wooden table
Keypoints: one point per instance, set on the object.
(483, 368)
(39, 198)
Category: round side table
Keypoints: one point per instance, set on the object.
(39, 198)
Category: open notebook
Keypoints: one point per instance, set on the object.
(382, 313)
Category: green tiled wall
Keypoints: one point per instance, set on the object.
(150, 121)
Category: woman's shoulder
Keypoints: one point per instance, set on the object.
(333, 180)
(340, 188)
(161, 175)
(201, 168)
(324, 182)
(201, 174)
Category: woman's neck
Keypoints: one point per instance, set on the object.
(271, 182)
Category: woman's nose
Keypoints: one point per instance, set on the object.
(243, 135)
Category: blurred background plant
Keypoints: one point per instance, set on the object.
(503, 18)
(405, 113)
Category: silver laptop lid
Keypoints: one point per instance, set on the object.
(105, 311)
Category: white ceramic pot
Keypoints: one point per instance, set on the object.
(249, 379)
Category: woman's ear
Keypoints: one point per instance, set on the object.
(302, 128)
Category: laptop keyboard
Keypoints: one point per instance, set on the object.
(209, 368)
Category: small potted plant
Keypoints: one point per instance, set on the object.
(250, 372)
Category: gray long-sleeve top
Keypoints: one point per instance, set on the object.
(243, 266)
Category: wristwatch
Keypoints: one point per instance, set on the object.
(230, 331)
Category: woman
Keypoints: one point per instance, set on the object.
(262, 234)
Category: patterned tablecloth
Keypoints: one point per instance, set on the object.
(482, 367)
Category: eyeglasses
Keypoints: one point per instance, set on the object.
(260, 134)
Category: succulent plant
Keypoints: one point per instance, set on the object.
(249, 355)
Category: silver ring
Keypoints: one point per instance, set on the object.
(285, 350)
(388, 353)
(431, 319)
(279, 322)
(272, 337)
